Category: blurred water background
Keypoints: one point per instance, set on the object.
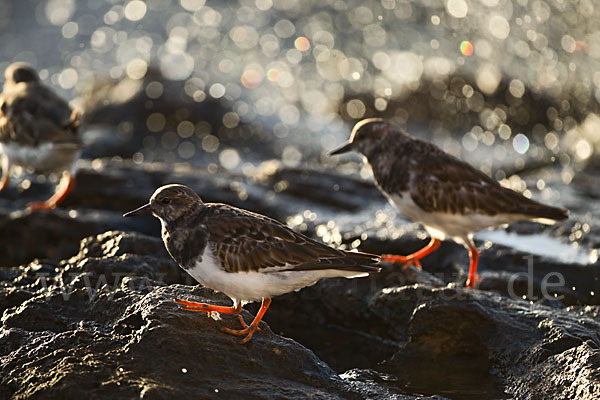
(517, 77)
(512, 86)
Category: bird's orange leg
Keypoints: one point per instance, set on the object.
(473, 278)
(208, 308)
(5, 173)
(414, 257)
(61, 192)
(253, 327)
(4, 180)
(202, 307)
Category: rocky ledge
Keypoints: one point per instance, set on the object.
(93, 313)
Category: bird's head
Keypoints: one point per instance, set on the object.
(367, 136)
(169, 203)
(20, 72)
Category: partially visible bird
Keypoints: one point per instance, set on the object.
(247, 256)
(448, 196)
(38, 130)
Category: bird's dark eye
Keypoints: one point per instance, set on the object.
(165, 200)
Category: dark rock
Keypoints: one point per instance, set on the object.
(119, 331)
(453, 342)
(70, 322)
(103, 322)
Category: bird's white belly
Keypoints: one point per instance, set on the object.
(459, 227)
(254, 286)
(46, 157)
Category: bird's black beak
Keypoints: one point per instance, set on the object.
(143, 210)
(346, 147)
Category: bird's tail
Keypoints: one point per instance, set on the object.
(356, 261)
(363, 263)
(543, 213)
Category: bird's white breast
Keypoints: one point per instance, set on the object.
(46, 157)
(440, 225)
(254, 286)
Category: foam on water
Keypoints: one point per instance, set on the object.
(541, 245)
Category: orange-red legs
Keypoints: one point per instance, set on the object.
(414, 257)
(253, 327)
(5, 173)
(473, 278)
(208, 308)
(4, 180)
(247, 330)
(64, 187)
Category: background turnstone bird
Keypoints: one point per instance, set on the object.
(247, 256)
(448, 196)
(38, 130)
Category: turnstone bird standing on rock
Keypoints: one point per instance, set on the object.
(247, 256)
(38, 130)
(448, 196)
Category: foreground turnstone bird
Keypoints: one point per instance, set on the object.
(448, 196)
(247, 256)
(38, 130)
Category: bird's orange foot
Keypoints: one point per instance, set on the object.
(472, 281)
(41, 205)
(248, 331)
(407, 261)
(64, 187)
(253, 327)
(244, 324)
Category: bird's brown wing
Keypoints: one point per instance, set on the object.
(446, 184)
(31, 113)
(244, 241)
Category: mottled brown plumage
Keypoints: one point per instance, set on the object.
(245, 255)
(450, 197)
(38, 130)
(31, 113)
(244, 241)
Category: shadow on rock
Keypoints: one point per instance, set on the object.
(103, 324)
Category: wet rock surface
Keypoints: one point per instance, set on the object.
(104, 322)
(87, 309)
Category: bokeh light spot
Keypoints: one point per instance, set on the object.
(521, 143)
(231, 120)
(210, 143)
(466, 48)
(583, 149)
(284, 28)
(217, 90)
(229, 158)
(70, 29)
(192, 5)
(186, 150)
(302, 43)
(499, 27)
(136, 68)
(516, 88)
(185, 129)
(457, 8)
(291, 156)
(135, 10)
(156, 122)
(68, 78)
(273, 75)
(154, 89)
(356, 108)
(251, 78)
